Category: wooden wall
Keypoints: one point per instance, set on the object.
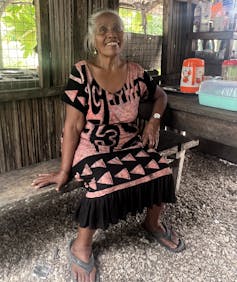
(176, 26)
(31, 120)
(30, 131)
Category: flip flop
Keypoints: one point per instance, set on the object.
(159, 235)
(88, 267)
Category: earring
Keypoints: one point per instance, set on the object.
(95, 52)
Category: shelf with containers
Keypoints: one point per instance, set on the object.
(181, 41)
(214, 47)
(213, 33)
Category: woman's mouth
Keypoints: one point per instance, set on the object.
(113, 43)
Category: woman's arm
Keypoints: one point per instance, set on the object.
(74, 124)
(150, 134)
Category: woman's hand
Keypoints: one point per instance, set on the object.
(150, 134)
(60, 178)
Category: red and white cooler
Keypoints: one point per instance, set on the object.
(192, 75)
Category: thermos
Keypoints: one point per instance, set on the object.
(192, 75)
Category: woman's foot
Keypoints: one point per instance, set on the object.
(165, 236)
(82, 263)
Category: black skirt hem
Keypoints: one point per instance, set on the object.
(103, 211)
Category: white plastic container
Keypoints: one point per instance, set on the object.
(219, 94)
(205, 15)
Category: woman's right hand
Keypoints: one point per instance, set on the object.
(60, 178)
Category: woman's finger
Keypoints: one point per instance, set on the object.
(40, 180)
(144, 139)
(151, 141)
(43, 179)
(41, 185)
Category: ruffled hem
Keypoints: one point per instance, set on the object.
(101, 212)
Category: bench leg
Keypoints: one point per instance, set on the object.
(180, 169)
(177, 168)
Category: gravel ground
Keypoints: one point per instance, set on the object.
(34, 238)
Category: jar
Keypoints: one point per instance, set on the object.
(229, 70)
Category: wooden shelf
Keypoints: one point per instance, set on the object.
(221, 35)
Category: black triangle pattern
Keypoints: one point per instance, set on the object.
(130, 163)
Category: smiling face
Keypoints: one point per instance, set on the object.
(108, 35)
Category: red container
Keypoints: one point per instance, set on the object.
(192, 75)
(229, 70)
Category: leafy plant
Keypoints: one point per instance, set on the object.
(19, 20)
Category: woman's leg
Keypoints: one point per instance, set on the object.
(153, 223)
(82, 249)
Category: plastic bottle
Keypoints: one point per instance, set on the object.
(205, 15)
(218, 22)
(197, 17)
(229, 10)
(226, 21)
(218, 16)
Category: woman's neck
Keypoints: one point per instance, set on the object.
(108, 63)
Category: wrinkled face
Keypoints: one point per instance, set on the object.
(108, 35)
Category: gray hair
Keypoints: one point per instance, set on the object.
(89, 43)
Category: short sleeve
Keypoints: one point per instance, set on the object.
(75, 92)
(150, 87)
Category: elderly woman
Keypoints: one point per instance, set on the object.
(122, 171)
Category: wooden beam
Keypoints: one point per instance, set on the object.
(43, 41)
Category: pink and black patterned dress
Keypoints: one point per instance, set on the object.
(120, 175)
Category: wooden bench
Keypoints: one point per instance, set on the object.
(16, 186)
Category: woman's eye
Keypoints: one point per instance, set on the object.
(117, 29)
(102, 30)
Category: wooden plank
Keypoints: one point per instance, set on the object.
(68, 39)
(166, 25)
(24, 94)
(59, 110)
(205, 127)
(81, 7)
(63, 30)
(55, 24)
(61, 26)
(16, 125)
(43, 46)
(205, 122)
(35, 128)
(189, 103)
(217, 149)
(22, 118)
(221, 35)
(3, 162)
(16, 185)
(113, 4)
(30, 131)
(188, 21)
(2, 152)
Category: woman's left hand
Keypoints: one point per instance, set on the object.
(150, 134)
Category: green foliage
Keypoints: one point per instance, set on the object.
(20, 22)
(154, 25)
(133, 22)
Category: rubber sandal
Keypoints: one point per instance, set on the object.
(88, 267)
(159, 235)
